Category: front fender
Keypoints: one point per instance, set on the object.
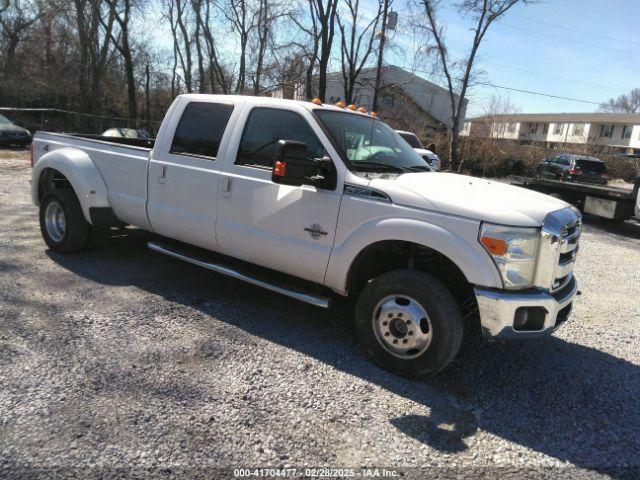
(82, 174)
(468, 255)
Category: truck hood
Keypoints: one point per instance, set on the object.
(470, 197)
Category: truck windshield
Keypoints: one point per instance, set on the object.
(411, 139)
(4, 120)
(369, 144)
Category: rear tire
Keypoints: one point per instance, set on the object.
(409, 323)
(62, 222)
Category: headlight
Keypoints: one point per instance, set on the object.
(514, 251)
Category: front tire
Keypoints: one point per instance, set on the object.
(409, 323)
(62, 222)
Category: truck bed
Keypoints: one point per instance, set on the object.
(603, 191)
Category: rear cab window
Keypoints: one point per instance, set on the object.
(200, 129)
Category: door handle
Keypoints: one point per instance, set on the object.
(225, 187)
(162, 178)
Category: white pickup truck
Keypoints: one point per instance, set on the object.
(316, 201)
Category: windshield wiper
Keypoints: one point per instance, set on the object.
(419, 168)
(374, 165)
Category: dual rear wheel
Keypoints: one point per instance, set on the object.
(62, 222)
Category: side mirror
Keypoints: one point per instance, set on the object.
(292, 167)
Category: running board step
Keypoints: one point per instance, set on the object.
(312, 299)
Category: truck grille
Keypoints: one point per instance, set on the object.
(558, 248)
(568, 250)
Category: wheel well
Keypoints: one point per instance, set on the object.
(52, 179)
(388, 255)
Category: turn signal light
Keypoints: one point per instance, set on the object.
(362, 110)
(340, 104)
(279, 169)
(316, 101)
(352, 107)
(495, 246)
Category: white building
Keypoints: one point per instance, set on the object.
(406, 101)
(613, 131)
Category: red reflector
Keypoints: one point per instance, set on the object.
(574, 171)
(605, 174)
(279, 169)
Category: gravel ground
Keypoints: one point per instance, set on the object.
(120, 361)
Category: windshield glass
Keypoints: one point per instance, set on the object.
(411, 139)
(370, 144)
(4, 120)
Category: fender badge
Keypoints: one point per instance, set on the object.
(315, 231)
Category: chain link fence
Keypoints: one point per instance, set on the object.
(58, 120)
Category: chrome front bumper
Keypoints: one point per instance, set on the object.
(498, 310)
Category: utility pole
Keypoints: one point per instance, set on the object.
(393, 17)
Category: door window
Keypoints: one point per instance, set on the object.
(265, 127)
(200, 129)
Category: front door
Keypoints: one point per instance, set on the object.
(184, 174)
(286, 228)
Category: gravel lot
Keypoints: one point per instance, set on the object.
(119, 359)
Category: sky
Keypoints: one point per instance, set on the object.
(586, 50)
(581, 49)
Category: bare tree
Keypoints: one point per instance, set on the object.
(356, 44)
(483, 13)
(16, 16)
(628, 103)
(383, 40)
(324, 20)
(86, 17)
(217, 77)
(120, 10)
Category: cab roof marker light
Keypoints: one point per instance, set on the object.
(340, 104)
(316, 101)
(352, 106)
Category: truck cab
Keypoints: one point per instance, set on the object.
(331, 198)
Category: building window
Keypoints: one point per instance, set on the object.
(533, 128)
(511, 127)
(545, 129)
(626, 131)
(606, 130)
(558, 129)
(387, 100)
(578, 129)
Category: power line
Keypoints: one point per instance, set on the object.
(593, 45)
(564, 27)
(554, 77)
(504, 87)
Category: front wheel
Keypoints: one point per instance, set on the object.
(409, 323)
(62, 222)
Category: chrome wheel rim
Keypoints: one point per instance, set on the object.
(55, 221)
(402, 326)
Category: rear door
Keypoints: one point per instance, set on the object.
(184, 172)
(286, 228)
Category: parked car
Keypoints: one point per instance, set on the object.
(575, 168)
(13, 135)
(127, 133)
(316, 201)
(412, 139)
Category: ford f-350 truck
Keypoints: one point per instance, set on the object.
(316, 201)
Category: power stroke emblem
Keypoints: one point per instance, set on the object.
(315, 231)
